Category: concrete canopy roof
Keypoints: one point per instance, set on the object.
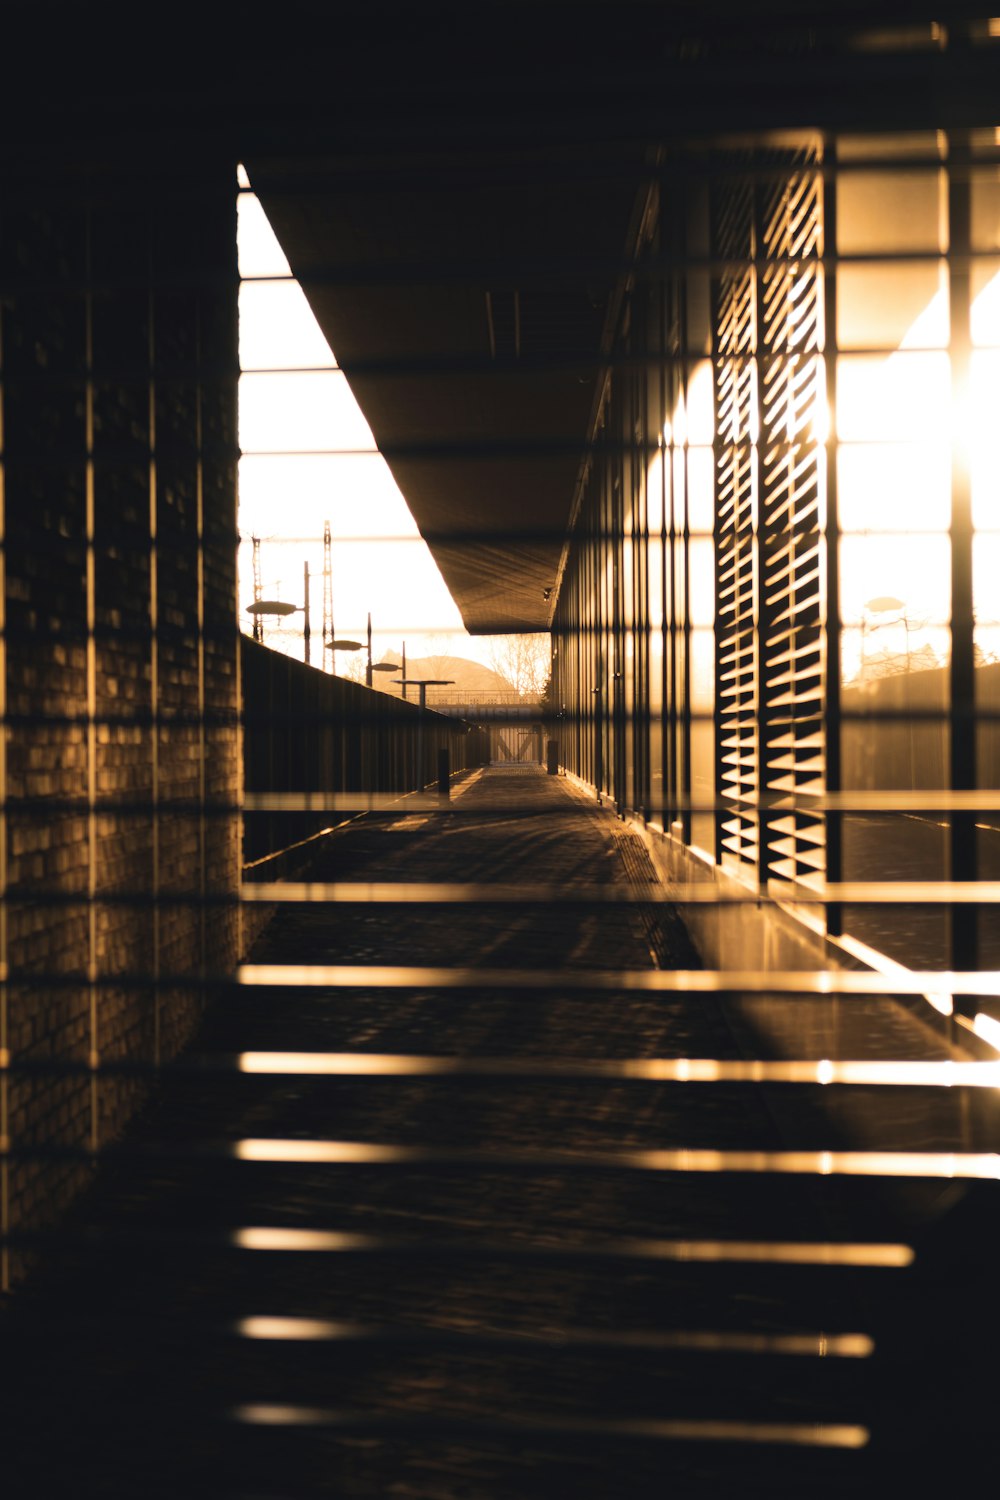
(415, 157)
(463, 289)
(456, 199)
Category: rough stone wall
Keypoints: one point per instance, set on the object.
(118, 361)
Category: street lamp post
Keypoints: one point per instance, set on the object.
(281, 610)
(342, 646)
(378, 666)
(277, 607)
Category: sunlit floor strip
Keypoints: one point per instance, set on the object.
(291, 1151)
(906, 1074)
(824, 982)
(455, 893)
(469, 893)
(557, 982)
(941, 800)
(708, 1252)
(971, 1166)
(856, 1073)
(276, 1239)
(691, 1430)
(695, 1341)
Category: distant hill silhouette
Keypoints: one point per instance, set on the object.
(469, 677)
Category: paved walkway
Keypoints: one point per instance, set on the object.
(498, 1288)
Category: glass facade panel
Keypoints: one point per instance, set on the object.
(890, 146)
(887, 304)
(983, 430)
(986, 584)
(701, 605)
(894, 738)
(887, 578)
(702, 649)
(701, 490)
(703, 784)
(700, 425)
(882, 211)
(903, 398)
(894, 486)
(654, 593)
(985, 287)
(811, 641)
(655, 679)
(987, 830)
(883, 648)
(985, 196)
(678, 490)
(654, 494)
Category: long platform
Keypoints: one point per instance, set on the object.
(467, 1198)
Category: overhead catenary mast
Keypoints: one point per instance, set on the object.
(258, 619)
(327, 598)
(330, 642)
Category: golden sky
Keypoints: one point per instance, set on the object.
(308, 456)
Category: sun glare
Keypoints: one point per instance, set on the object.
(898, 414)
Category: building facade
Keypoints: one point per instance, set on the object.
(776, 640)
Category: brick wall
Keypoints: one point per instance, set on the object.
(118, 407)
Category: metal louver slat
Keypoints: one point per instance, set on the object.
(813, 835)
(790, 504)
(769, 561)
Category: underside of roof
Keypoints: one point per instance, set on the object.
(454, 186)
(464, 292)
(461, 221)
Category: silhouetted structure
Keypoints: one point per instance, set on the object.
(679, 327)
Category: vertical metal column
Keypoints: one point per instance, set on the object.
(718, 772)
(668, 352)
(91, 711)
(832, 746)
(4, 942)
(199, 491)
(683, 625)
(154, 662)
(658, 353)
(962, 720)
(616, 527)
